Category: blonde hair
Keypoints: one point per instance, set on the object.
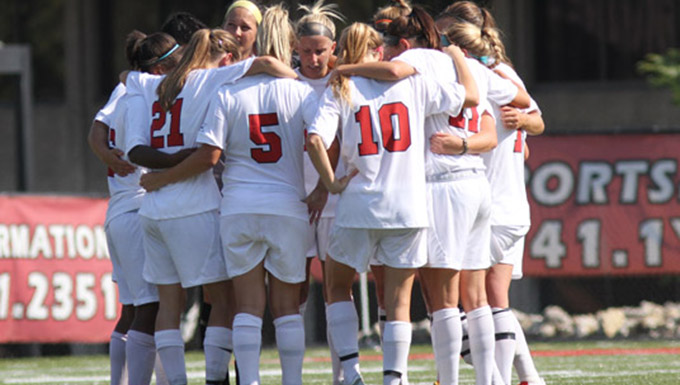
(204, 47)
(467, 12)
(275, 36)
(385, 15)
(356, 42)
(320, 13)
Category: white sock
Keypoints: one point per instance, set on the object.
(523, 362)
(290, 340)
(446, 326)
(141, 356)
(170, 347)
(117, 357)
(217, 353)
(343, 325)
(161, 378)
(336, 366)
(481, 339)
(504, 327)
(396, 344)
(382, 318)
(247, 344)
(303, 309)
(467, 357)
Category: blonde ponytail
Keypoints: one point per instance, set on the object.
(356, 42)
(204, 47)
(275, 36)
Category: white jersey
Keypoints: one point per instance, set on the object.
(439, 65)
(125, 193)
(259, 123)
(176, 130)
(505, 168)
(383, 138)
(311, 175)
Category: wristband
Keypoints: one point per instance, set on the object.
(465, 147)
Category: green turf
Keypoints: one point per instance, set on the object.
(628, 369)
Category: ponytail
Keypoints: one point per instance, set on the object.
(204, 47)
(419, 26)
(385, 15)
(275, 35)
(356, 42)
(132, 42)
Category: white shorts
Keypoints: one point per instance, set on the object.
(507, 246)
(459, 211)
(126, 248)
(279, 240)
(184, 250)
(322, 238)
(397, 248)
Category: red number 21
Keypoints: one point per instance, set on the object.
(175, 137)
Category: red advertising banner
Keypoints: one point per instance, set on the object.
(55, 272)
(603, 205)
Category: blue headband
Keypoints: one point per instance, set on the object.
(173, 49)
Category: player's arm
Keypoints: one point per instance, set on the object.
(514, 119)
(322, 164)
(382, 70)
(271, 66)
(203, 159)
(316, 200)
(150, 157)
(464, 75)
(97, 138)
(483, 141)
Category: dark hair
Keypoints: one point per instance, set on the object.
(385, 15)
(156, 49)
(181, 26)
(132, 42)
(418, 25)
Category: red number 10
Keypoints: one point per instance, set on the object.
(368, 145)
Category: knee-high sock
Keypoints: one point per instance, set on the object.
(290, 340)
(446, 326)
(141, 357)
(481, 339)
(505, 341)
(396, 345)
(247, 345)
(343, 325)
(117, 357)
(217, 353)
(523, 362)
(336, 366)
(170, 347)
(161, 378)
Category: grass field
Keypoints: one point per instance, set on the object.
(608, 363)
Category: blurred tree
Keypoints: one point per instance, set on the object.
(663, 70)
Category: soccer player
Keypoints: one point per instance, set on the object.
(132, 344)
(315, 46)
(382, 210)
(474, 29)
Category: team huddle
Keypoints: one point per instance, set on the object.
(238, 154)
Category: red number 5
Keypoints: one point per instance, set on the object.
(271, 139)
